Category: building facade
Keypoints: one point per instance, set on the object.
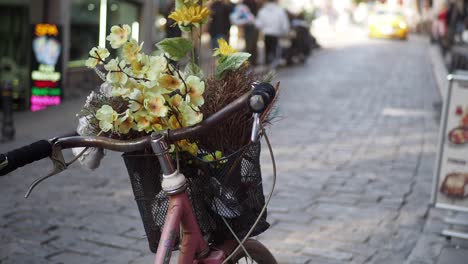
(82, 24)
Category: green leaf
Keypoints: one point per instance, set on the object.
(175, 48)
(231, 62)
(193, 69)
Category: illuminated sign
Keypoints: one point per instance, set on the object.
(46, 65)
(46, 29)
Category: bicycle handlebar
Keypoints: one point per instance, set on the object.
(28, 154)
(257, 100)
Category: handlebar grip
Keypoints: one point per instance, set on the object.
(25, 155)
(262, 95)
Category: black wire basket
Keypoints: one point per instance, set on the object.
(230, 188)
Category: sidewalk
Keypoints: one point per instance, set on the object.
(432, 247)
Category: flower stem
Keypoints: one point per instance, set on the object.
(199, 46)
(194, 59)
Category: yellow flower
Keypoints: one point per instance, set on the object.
(224, 48)
(158, 124)
(169, 82)
(176, 101)
(155, 105)
(125, 123)
(131, 50)
(116, 74)
(106, 116)
(191, 148)
(173, 122)
(210, 157)
(118, 35)
(95, 54)
(193, 15)
(195, 90)
(143, 121)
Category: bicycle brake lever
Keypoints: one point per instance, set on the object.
(59, 165)
(255, 128)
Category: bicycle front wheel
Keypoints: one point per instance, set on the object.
(257, 251)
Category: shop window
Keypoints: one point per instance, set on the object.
(89, 25)
(15, 49)
(123, 12)
(84, 28)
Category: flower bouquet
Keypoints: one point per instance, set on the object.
(146, 93)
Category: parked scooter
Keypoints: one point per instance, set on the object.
(300, 42)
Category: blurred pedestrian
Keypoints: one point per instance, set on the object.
(220, 24)
(273, 21)
(171, 28)
(439, 27)
(244, 16)
(332, 15)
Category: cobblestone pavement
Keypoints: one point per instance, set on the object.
(355, 146)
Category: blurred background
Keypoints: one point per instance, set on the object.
(85, 23)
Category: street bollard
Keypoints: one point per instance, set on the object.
(8, 129)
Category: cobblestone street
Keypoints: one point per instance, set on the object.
(355, 144)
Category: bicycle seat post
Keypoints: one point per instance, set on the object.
(173, 181)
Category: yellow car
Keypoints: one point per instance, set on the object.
(387, 24)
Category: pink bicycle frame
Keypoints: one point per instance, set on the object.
(180, 214)
(193, 248)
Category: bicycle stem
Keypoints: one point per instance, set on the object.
(254, 136)
(173, 181)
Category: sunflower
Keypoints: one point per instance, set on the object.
(194, 15)
(224, 48)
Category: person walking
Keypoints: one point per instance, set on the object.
(220, 24)
(251, 32)
(273, 21)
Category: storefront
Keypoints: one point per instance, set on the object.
(82, 24)
(14, 41)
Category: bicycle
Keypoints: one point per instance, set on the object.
(193, 247)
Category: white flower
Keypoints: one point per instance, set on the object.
(169, 82)
(125, 123)
(154, 104)
(106, 116)
(191, 116)
(140, 65)
(157, 65)
(120, 91)
(116, 74)
(95, 55)
(131, 50)
(195, 90)
(136, 100)
(176, 101)
(118, 36)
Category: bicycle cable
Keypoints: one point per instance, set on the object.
(235, 236)
(241, 243)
